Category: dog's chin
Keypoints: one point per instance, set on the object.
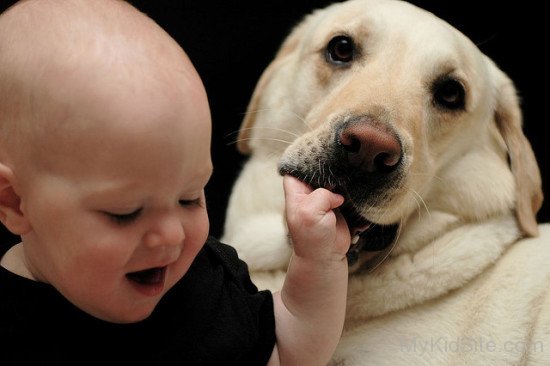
(370, 241)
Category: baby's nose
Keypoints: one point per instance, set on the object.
(167, 230)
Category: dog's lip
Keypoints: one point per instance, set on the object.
(366, 235)
(375, 239)
(356, 222)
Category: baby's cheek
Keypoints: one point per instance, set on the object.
(196, 234)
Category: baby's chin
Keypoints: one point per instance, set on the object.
(140, 292)
(126, 316)
(137, 299)
(130, 313)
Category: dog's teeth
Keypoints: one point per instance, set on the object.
(355, 239)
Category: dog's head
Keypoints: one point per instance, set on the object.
(399, 112)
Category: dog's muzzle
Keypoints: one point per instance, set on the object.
(362, 164)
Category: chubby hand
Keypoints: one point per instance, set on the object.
(317, 228)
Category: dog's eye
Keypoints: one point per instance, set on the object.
(340, 50)
(449, 93)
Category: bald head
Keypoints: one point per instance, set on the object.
(77, 29)
(52, 49)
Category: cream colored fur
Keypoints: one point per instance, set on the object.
(468, 282)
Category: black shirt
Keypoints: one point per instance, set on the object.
(213, 316)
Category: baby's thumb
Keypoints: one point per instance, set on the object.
(294, 187)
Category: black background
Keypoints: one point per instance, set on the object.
(232, 41)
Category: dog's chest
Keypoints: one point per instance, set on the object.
(502, 316)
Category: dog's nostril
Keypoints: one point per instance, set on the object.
(350, 143)
(370, 147)
(385, 162)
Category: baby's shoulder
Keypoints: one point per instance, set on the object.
(224, 255)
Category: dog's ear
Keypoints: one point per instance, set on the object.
(254, 106)
(523, 163)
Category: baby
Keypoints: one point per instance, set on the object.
(104, 156)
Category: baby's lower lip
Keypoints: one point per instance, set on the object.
(149, 282)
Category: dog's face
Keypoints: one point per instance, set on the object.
(399, 112)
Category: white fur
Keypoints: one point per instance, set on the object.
(461, 286)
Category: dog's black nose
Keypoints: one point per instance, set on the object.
(370, 146)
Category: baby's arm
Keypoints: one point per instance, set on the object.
(310, 308)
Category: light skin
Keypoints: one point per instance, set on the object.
(109, 197)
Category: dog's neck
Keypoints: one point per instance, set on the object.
(416, 273)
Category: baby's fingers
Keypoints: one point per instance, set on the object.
(317, 228)
(299, 194)
(295, 187)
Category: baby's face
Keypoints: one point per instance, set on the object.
(115, 195)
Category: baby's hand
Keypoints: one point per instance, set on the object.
(317, 229)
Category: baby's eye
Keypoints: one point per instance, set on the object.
(187, 203)
(125, 218)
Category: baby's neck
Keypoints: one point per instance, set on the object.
(14, 261)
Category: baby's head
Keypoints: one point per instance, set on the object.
(104, 153)
(63, 57)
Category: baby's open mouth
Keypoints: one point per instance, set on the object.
(152, 276)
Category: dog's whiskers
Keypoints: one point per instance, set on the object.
(386, 213)
(312, 180)
(292, 113)
(398, 234)
(263, 128)
(301, 119)
(420, 201)
(427, 175)
(260, 138)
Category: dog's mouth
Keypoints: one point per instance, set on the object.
(366, 236)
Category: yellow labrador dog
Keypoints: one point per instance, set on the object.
(421, 133)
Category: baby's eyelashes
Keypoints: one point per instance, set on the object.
(193, 202)
(123, 218)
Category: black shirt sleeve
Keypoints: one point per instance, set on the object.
(259, 303)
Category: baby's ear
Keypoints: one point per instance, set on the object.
(10, 204)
